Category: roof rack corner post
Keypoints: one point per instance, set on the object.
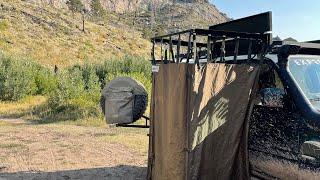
(223, 49)
(165, 56)
(264, 49)
(195, 50)
(178, 49)
(171, 49)
(209, 52)
(212, 49)
(161, 49)
(236, 49)
(189, 46)
(153, 58)
(249, 51)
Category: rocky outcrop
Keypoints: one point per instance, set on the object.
(158, 15)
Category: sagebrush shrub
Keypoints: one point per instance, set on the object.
(45, 80)
(77, 92)
(16, 79)
(72, 93)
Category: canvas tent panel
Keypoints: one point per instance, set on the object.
(169, 121)
(199, 121)
(218, 108)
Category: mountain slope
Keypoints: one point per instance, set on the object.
(46, 31)
(54, 36)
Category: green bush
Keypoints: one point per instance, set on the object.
(79, 87)
(97, 8)
(16, 79)
(73, 93)
(125, 66)
(46, 81)
(75, 5)
(20, 78)
(77, 94)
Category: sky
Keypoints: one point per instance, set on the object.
(299, 19)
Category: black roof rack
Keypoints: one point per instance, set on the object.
(307, 48)
(217, 43)
(259, 23)
(247, 36)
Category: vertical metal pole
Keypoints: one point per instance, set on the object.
(171, 49)
(161, 50)
(152, 53)
(249, 50)
(223, 49)
(189, 47)
(263, 52)
(212, 49)
(236, 50)
(209, 56)
(178, 49)
(166, 56)
(195, 50)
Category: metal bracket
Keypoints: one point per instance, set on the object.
(136, 126)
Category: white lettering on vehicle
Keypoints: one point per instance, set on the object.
(305, 62)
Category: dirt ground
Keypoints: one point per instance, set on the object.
(59, 151)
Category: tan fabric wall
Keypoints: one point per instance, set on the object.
(169, 121)
(202, 111)
(218, 109)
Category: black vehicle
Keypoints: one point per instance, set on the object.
(284, 134)
(283, 139)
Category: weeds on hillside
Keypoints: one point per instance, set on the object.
(72, 93)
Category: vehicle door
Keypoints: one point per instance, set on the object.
(305, 70)
(273, 134)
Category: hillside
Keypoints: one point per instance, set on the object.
(54, 36)
(49, 33)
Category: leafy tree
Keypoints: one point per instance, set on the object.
(75, 5)
(97, 8)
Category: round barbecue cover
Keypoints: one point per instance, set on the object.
(123, 100)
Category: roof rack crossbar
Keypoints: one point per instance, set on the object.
(199, 44)
(218, 33)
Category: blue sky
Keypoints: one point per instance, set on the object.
(299, 19)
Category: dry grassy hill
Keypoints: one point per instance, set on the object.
(54, 36)
(49, 33)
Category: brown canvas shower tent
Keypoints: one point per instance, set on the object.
(201, 100)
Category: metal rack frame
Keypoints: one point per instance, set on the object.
(219, 44)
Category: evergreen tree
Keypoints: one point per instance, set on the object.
(75, 5)
(97, 8)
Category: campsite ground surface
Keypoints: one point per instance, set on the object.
(68, 151)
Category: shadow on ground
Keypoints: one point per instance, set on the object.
(121, 172)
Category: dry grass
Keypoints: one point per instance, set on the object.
(76, 149)
(54, 37)
(64, 147)
(21, 108)
(23, 111)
